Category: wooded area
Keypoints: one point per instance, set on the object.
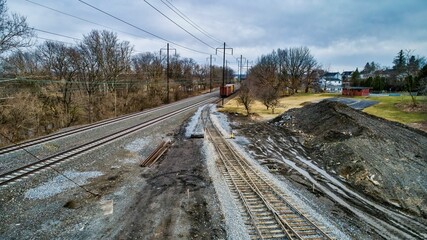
(55, 85)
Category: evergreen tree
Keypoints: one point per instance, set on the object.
(367, 68)
(399, 62)
(355, 78)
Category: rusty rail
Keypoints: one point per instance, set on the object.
(156, 154)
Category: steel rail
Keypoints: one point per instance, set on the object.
(268, 185)
(58, 135)
(241, 171)
(229, 170)
(19, 173)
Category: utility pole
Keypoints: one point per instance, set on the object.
(167, 69)
(247, 67)
(223, 67)
(226, 71)
(210, 73)
(167, 74)
(240, 66)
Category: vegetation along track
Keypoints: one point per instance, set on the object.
(33, 142)
(265, 210)
(31, 169)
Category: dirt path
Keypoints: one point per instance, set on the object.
(178, 201)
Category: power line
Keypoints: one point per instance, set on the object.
(164, 15)
(48, 39)
(56, 34)
(51, 167)
(79, 18)
(145, 31)
(188, 20)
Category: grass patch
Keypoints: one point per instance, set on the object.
(394, 108)
(285, 103)
(397, 108)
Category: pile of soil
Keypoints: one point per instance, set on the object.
(383, 159)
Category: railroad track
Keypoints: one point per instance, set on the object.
(36, 141)
(264, 207)
(31, 169)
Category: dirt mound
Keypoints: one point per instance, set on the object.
(383, 159)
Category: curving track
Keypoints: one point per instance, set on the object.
(42, 164)
(265, 210)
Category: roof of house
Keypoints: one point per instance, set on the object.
(356, 88)
(330, 74)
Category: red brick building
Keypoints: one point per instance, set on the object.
(355, 91)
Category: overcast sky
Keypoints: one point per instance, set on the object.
(341, 34)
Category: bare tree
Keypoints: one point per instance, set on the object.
(245, 97)
(201, 73)
(265, 82)
(61, 63)
(406, 69)
(14, 30)
(102, 59)
(294, 65)
(312, 73)
(22, 64)
(148, 67)
(20, 116)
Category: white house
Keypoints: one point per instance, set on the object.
(331, 82)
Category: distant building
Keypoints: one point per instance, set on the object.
(346, 75)
(331, 82)
(346, 78)
(355, 91)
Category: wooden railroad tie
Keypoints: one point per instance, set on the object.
(156, 154)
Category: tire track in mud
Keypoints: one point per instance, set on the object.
(281, 147)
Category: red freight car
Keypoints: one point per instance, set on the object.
(227, 90)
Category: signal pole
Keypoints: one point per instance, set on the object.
(167, 69)
(223, 66)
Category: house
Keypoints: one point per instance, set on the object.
(346, 75)
(346, 78)
(331, 82)
(355, 91)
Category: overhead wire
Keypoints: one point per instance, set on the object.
(164, 15)
(188, 20)
(79, 18)
(51, 167)
(49, 39)
(143, 30)
(56, 34)
(177, 11)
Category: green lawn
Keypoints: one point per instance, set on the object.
(396, 108)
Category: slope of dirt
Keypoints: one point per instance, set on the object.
(385, 160)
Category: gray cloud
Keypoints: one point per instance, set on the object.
(341, 34)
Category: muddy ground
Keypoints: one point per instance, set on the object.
(375, 169)
(383, 159)
(178, 201)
